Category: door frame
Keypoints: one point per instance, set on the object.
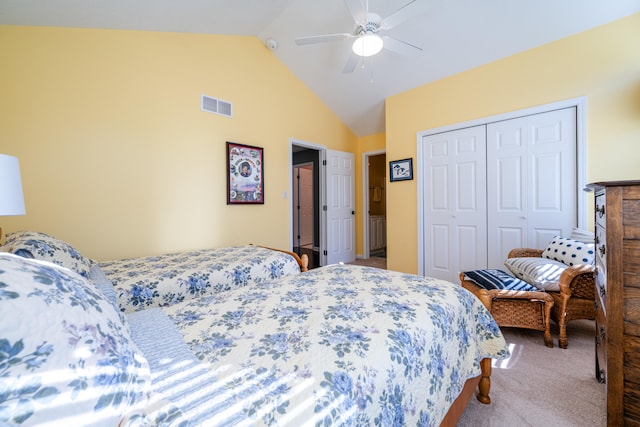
(579, 103)
(365, 199)
(322, 156)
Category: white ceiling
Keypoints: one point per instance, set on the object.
(455, 35)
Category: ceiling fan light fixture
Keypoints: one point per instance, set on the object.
(367, 45)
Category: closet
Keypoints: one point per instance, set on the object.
(497, 186)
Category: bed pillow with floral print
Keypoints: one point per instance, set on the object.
(34, 244)
(66, 354)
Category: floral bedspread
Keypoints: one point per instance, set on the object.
(339, 345)
(163, 280)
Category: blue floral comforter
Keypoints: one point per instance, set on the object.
(339, 345)
(163, 280)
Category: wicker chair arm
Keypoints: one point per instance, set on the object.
(525, 252)
(577, 279)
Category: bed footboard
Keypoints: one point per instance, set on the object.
(303, 261)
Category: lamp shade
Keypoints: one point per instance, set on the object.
(11, 197)
(367, 45)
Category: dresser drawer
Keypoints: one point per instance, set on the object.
(601, 265)
(601, 245)
(601, 346)
(601, 214)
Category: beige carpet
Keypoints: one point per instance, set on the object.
(540, 386)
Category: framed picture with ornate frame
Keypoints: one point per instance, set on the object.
(245, 174)
(401, 170)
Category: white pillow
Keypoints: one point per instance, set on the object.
(68, 354)
(542, 273)
(581, 235)
(38, 245)
(569, 251)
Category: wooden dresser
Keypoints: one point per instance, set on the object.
(617, 238)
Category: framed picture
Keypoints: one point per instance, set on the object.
(245, 174)
(401, 170)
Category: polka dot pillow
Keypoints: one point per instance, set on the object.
(568, 251)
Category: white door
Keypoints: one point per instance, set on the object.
(341, 237)
(532, 184)
(455, 202)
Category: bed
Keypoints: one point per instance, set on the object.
(163, 280)
(338, 345)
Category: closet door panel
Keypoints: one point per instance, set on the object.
(454, 202)
(507, 170)
(532, 180)
(552, 153)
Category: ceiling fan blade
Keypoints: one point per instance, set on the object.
(300, 41)
(399, 46)
(399, 16)
(351, 64)
(358, 10)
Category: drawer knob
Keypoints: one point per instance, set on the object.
(601, 377)
(600, 211)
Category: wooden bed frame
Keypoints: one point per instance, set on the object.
(303, 261)
(483, 382)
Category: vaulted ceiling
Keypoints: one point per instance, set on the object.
(454, 35)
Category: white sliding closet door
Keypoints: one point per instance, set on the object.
(455, 232)
(497, 186)
(531, 181)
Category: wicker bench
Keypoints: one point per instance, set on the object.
(518, 309)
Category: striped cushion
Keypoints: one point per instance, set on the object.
(543, 273)
(498, 279)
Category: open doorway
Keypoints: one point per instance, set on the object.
(375, 204)
(303, 206)
(333, 196)
(306, 203)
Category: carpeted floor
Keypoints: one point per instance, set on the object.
(374, 261)
(540, 386)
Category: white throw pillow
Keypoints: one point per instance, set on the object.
(38, 245)
(570, 252)
(543, 273)
(581, 235)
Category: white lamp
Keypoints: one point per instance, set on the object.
(367, 45)
(11, 197)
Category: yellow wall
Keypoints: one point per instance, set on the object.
(368, 144)
(116, 156)
(602, 64)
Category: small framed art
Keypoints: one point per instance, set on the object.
(401, 170)
(245, 174)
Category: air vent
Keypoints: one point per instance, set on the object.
(217, 106)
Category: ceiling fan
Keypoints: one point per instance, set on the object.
(368, 40)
